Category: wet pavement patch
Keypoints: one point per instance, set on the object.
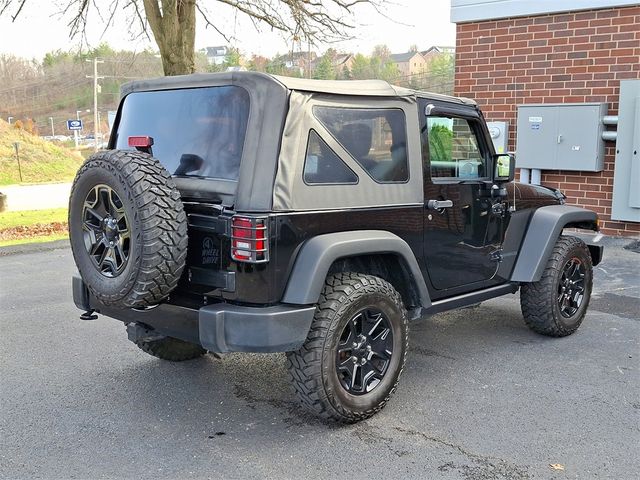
(633, 246)
(620, 305)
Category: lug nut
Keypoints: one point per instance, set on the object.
(354, 359)
(368, 348)
(363, 361)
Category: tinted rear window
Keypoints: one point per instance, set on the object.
(196, 132)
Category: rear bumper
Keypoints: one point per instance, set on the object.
(220, 327)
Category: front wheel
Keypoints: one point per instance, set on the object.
(355, 351)
(556, 304)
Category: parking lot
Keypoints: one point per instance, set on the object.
(481, 398)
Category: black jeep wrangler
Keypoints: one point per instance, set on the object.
(242, 212)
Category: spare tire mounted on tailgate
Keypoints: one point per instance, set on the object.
(127, 228)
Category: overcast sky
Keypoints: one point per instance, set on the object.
(40, 29)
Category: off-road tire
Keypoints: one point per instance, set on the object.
(312, 367)
(171, 349)
(158, 228)
(539, 300)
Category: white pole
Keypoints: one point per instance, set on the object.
(53, 134)
(75, 132)
(99, 129)
(95, 104)
(96, 128)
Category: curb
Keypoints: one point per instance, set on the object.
(34, 247)
(628, 243)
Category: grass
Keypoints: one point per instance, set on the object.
(39, 239)
(32, 217)
(32, 226)
(40, 160)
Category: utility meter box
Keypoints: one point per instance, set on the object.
(626, 179)
(561, 136)
(499, 132)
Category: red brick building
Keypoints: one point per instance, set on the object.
(538, 54)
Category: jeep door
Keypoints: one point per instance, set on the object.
(462, 238)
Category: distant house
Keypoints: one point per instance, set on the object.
(216, 55)
(342, 61)
(436, 51)
(300, 62)
(409, 63)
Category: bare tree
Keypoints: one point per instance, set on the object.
(173, 22)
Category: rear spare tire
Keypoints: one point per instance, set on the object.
(127, 228)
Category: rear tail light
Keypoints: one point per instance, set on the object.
(249, 240)
(142, 142)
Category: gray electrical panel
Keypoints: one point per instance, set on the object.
(561, 136)
(626, 180)
(499, 132)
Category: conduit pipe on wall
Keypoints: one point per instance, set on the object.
(610, 135)
(536, 176)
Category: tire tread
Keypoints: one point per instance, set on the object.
(536, 298)
(305, 365)
(162, 236)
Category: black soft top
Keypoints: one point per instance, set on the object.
(369, 88)
(269, 106)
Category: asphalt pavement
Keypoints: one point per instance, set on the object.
(482, 397)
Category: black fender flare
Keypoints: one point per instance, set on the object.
(545, 227)
(318, 254)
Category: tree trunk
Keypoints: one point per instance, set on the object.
(173, 23)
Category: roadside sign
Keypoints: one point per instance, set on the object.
(74, 124)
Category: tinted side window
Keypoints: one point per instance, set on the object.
(375, 138)
(196, 131)
(323, 166)
(453, 149)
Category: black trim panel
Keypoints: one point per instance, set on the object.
(470, 298)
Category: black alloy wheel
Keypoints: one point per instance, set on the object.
(364, 351)
(556, 304)
(571, 287)
(127, 228)
(107, 236)
(355, 351)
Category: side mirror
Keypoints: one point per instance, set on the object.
(504, 168)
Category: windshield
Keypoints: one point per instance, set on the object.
(196, 132)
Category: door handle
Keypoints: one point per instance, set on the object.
(439, 204)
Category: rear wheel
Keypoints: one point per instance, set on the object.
(354, 354)
(556, 304)
(171, 349)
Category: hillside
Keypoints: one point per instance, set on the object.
(40, 160)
